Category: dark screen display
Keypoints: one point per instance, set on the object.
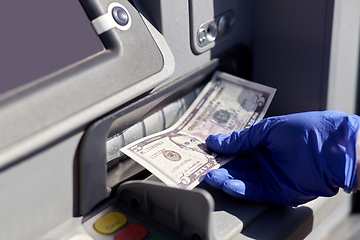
(39, 37)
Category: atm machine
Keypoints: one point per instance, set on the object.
(81, 79)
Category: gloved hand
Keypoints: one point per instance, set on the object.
(290, 159)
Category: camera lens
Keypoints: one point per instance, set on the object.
(224, 25)
(120, 16)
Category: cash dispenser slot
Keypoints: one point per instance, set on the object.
(91, 167)
(120, 166)
(129, 189)
(161, 210)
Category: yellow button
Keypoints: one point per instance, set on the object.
(110, 223)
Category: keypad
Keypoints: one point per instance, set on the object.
(110, 223)
(117, 223)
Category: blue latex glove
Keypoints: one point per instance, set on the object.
(289, 159)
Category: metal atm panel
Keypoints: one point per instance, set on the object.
(147, 62)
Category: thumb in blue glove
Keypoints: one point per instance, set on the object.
(289, 159)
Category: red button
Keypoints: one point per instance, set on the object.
(132, 232)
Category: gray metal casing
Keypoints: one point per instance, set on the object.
(40, 142)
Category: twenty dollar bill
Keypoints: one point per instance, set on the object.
(178, 155)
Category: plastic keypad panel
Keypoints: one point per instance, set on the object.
(119, 222)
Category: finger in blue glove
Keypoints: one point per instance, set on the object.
(300, 156)
(247, 190)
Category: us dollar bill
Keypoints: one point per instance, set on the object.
(178, 156)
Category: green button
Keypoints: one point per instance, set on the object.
(156, 238)
(110, 223)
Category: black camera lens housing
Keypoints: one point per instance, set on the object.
(120, 16)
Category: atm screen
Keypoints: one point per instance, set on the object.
(40, 37)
